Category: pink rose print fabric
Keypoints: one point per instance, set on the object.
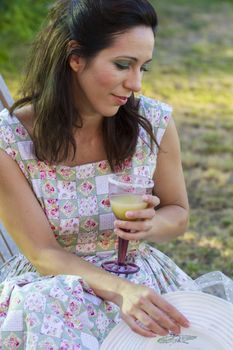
(62, 312)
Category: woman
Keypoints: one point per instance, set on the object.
(78, 122)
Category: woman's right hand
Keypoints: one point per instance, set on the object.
(147, 313)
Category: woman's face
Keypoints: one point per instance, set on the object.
(104, 84)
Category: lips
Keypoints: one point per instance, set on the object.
(121, 100)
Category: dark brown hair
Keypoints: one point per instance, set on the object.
(48, 83)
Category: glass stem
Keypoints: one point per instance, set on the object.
(122, 250)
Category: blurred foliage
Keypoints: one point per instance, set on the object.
(20, 19)
(192, 70)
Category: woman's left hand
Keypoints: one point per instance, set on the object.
(140, 222)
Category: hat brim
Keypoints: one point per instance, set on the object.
(211, 323)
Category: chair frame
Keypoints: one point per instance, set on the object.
(5, 95)
(7, 247)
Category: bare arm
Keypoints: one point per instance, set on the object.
(171, 216)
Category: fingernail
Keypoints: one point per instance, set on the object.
(129, 214)
(175, 330)
(186, 324)
(145, 197)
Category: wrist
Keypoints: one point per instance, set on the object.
(119, 290)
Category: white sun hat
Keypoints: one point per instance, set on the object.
(211, 327)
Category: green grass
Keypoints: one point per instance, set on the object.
(192, 70)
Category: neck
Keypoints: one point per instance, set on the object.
(91, 128)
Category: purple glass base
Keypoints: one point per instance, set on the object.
(120, 269)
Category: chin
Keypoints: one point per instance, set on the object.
(111, 112)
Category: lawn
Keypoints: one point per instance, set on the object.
(192, 71)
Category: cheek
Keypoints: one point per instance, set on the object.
(106, 79)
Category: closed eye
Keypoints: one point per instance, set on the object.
(145, 68)
(122, 66)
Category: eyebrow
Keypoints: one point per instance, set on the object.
(133, 58)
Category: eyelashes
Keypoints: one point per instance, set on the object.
(145, 69)
(123, 66)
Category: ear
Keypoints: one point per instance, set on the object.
(74, 60)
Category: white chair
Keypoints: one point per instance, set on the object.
(7, 246)
(6, 99)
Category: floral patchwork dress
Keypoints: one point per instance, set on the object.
(62, 312)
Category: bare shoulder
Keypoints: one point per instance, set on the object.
(170, 141)
(25, 115)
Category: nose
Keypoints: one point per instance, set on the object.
(133, 82)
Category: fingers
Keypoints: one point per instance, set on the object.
(171, 311)
(132, 323)
(133, 230)
(130, 236)
(153, 318)
(152, 201)
(150, 321)
(148, 313)
(150, 324)
(139, 221)
(133, 226)
(148, 213)
(163, 320)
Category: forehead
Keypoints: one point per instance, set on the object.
(137, 41)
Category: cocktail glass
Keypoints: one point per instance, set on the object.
(126, 194)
